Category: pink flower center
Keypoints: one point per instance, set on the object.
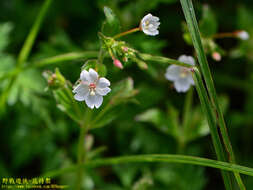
(92, 85)
(184, 72)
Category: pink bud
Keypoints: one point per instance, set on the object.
(216, 56)
(125, 49)
(117, 63)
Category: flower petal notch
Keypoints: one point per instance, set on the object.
(149, 25)
(91, 88)
(181, 76)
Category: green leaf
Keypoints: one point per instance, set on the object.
(111, 26)
(94, 64)
(5, 29)
(121, 93)
(65, 98)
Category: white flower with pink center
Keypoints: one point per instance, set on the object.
(242, 34)
(149, 25)
(91, 88)
(181, 76)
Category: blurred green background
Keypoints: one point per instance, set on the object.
(36, 137)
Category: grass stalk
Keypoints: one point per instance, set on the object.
(26, 49)
(195, 35)
(207, 109)
(156, 158)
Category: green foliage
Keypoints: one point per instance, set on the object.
(208, 24)
(142, 114)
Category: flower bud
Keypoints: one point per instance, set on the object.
(125, 49)
(216, 56)
(117, 63)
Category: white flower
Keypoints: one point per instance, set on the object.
(243, 35)
(181, 76)
(91, 88)
(149, 25)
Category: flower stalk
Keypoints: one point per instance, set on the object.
(81, 155)
(127, 32)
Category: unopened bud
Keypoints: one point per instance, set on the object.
(125, 49)
(125, 59)
(117, 63)
(216, 56)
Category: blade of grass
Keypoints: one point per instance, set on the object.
(190, 17)
(52, 60)
(25, 51)
(65, 57)
(153, 158)
(207, 109)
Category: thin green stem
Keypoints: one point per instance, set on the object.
(182, 141)
(65, 57)
(52, 60)
(81, 155)
(195, 35)
(207, 109)
(126, 33)
(160, 59)
(187, 109)
(26, 49)
(154, 158)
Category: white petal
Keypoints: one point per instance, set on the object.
(103, 91)
(81, 91)
(151, 33)
(95, 100)
(103, 82)
(243, 35)
(155, 18)
(149, 25)
(85, 76)
(99, 101)
(187, 59)
(93, 75)
(182, 85)
(148, 16)
(173, 72)
(190, 79)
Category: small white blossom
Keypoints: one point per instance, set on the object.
(181, 76)
(149, 25)
(243, 35)
(91, 88)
